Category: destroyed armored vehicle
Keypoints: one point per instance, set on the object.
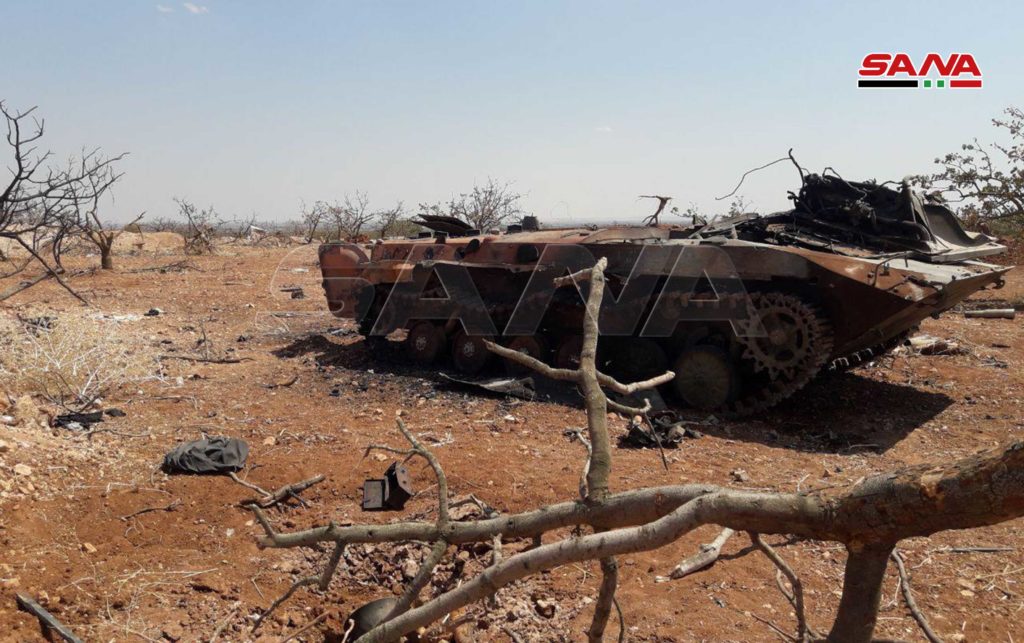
(744, 310)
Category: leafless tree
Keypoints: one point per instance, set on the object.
(167, 224)
(489, 205)
(869, 517)
(484, 207)
(243, 229)
(652, 220)
(312, 217)
(201, 227)
(91, 227)
(40, 201)
(739, 205)
(988, 180)
(351, 217)
(390, 221)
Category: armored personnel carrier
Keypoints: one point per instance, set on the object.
(744, 310)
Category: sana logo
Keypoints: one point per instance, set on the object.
(955, 70)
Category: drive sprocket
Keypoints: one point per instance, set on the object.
(788, 338)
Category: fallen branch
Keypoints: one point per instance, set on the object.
(284, 384)
(24, 284)
(908, 596)
(177, 265)
(975, 550)
(123, 434)
(224, 624)
(796, 598)
(208, 360)
(48, 621)
(258, 489)
(708, 554)
(303, 582)
(305, 628)
(269, 498)
(170, 507)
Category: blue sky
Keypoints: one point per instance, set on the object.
(255, 106)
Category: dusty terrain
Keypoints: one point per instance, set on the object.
(309, 394)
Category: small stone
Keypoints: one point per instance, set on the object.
(269, 441)
(154, 312)
(409, 568)
(173, 632)
(22, 469)
(4, 447)
(510, 418)
(544, 607)
(89, 548)
(739, 475)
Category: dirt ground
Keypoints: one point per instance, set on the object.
(308, 395)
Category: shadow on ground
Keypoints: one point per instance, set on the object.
(841, 413)
(836, 413)
(387, 357)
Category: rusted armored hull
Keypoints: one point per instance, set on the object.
(746, 312)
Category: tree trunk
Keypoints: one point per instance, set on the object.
(862, 590)
(107, 257)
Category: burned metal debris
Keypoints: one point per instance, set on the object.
(745, 310)
(665, 430)
(389, 493)
(521, 387)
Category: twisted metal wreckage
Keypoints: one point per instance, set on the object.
(745, 310)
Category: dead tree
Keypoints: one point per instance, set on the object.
(489, 205)
(312, 217)
(869, 517)
(87, 220)
(388, 221)
(351, 217)
(201, 227)
(40, 201)
(485, 207)
(652, 220)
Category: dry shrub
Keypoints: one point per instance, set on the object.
(72, 360)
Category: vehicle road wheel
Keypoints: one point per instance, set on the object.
(535, 346)
(425, 342)
(636, 359)
(706, 378)
(469, 353)
(568, 354)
